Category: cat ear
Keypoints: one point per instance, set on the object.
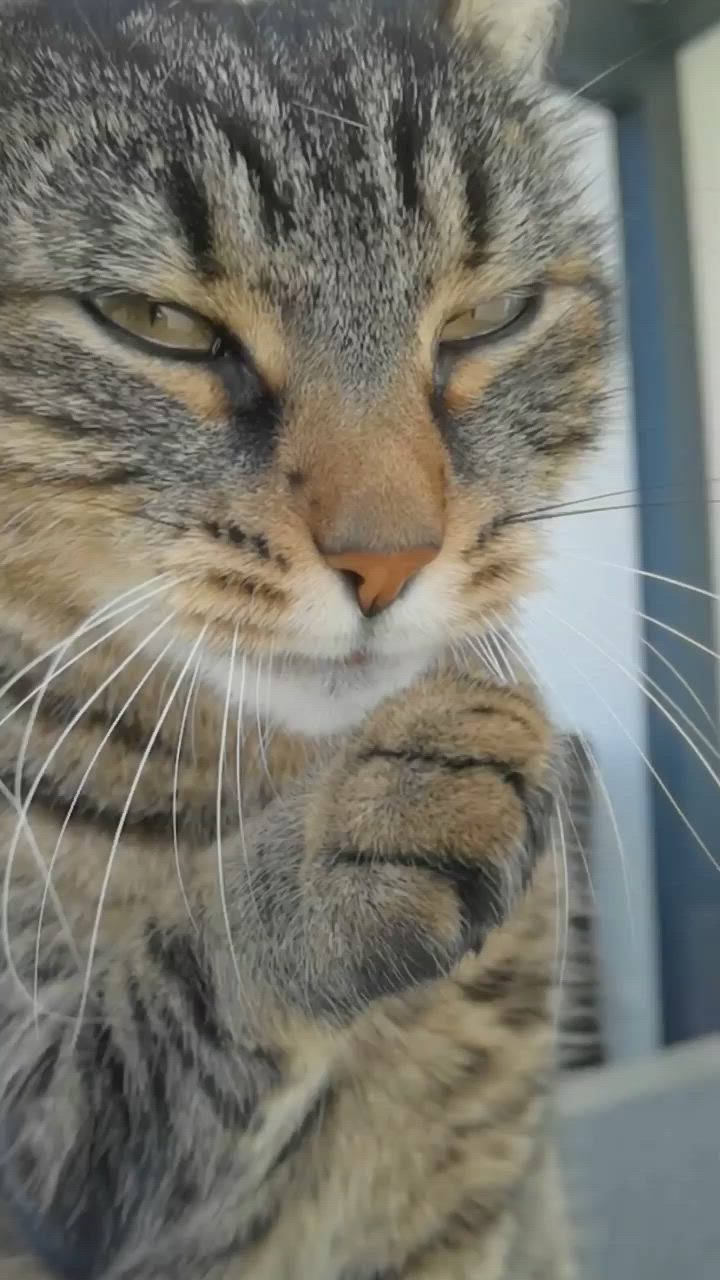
(520, 32)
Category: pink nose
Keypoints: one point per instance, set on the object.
(378, 577)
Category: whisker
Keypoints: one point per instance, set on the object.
(123, 820)
(585, 774)
(32, 717)
(88, 26)
(497, 660)
(639, 490)
(219, 829)
(172, 668)
(641, 573)
(19, 772)
(330, 115)
(679, 635)
(17, 520)
(562, 956)
(35, 709)
(498, 657)
(176, 776)
(269, 731)
(525, 655)
(596, 511)
(62, 645)
(650, 696)
(22, 819)
(261, 744)
(686, 686)
(268, 700)
(616, 66)
(73, 805)
(662, 692)
(43, 869)
(239, 745)
(193, 725)
(673, 631)
(485, 653)
(263, 15)
(643, 755)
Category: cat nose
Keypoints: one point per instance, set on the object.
(378, 577)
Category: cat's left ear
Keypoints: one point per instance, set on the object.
(519, 32)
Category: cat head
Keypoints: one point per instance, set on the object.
(297, 310)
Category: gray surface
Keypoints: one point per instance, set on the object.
(642, 1158)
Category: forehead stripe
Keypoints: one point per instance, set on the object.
(188, 201)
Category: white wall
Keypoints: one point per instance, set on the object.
(699, 86)
(601, 602)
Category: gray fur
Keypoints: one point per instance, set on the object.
(233, 1096)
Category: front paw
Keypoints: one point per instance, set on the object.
(449, 786)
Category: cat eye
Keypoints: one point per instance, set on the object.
(498, 316)
(169, 329)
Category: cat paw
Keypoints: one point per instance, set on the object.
(446, 793)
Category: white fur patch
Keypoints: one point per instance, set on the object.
(309, 681)
(319, 702)
(520, 31)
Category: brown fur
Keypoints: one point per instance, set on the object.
(284, 1007)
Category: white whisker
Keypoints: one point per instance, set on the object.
(494, 657)
(43, 869)
(647, 644)
(239, 744)
(330, 115)
(32, 717)
(68, 816)
(583, 772)
(681, 678)
(648, 694)
(18, 518)
(645, 759)
(654, 684)
(268, 700)
(565, 887)
(124, 816)
(176, 776)
(497, 658)
(525, 656)
(562, 944)
(219, 815)
(89, 625)
(193, 722)
(261, 742)
(484, 653)
(172, 668)
(641, 573)
(41, 774)
(616, 66)
(710, 744)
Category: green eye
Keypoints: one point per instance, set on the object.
(172, 330)
(488, 318)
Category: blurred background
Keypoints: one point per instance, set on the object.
(626, 639)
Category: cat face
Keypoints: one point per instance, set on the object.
(284, 285)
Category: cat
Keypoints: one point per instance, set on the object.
(300, 323)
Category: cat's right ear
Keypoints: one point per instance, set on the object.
(519, 33)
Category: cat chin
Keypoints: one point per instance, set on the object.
(319, 704)
(321, 699)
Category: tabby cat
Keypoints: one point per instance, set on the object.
(299, 324)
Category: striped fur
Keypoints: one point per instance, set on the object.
(279, 935)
